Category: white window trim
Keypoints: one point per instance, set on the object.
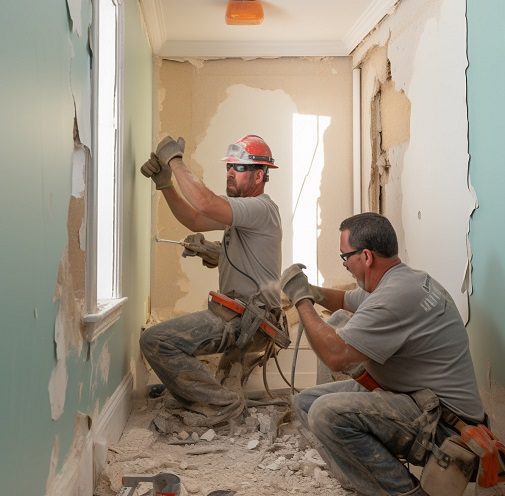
(101, 315)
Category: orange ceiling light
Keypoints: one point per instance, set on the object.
(244, 12)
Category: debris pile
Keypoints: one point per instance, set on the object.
(261, 454)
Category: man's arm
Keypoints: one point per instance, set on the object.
(187, 215)
(205, 202)
(199, 209)
(331, 299)
(330, 348)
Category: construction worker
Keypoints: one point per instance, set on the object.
(405, 332)
(249, 264)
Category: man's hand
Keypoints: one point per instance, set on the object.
(168, 149)
(162, 176)
(195, 245)
(295, 285)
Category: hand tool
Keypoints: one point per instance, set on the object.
(164, 484)
(160, 240)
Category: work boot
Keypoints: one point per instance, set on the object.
(207, 416)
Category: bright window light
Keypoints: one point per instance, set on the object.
(103, 188)
(308, 164)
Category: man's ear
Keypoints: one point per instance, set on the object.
(368, 257)
(261, 176)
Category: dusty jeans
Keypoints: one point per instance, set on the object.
(172, 348)
(360, 434)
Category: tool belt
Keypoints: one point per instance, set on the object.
(474, 454)
(253, 318)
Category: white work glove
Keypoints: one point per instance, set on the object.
(162, 176)
(168, 149)
(195, 245)
(295, 285)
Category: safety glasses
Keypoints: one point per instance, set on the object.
(345, 256)
(242, 167)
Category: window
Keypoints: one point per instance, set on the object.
(103, 200)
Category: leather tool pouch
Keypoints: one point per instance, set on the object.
(449, 468)
(429, 404)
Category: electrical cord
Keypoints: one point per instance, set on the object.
(295, 357)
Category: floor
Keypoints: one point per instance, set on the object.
(263, 454)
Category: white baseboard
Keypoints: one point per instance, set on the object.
(87, 457)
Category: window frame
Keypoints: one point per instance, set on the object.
(100, 314)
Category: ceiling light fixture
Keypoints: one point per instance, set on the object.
(244, 12)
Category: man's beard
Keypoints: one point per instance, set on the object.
(231, 190)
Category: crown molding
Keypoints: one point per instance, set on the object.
(370, 18)
(246, 49)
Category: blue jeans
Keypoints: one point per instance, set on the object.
(172, 349)
(361, 434)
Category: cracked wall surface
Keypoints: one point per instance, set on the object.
(54, 385)
(302, 108)
(413, 91)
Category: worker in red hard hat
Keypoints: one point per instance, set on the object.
(249, 265)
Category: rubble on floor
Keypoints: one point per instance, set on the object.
(262, 454)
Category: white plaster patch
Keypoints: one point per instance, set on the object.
(53, 463)
(78, 171)
(75, 9)
(426, 44)
(59, 377)
(104, 363)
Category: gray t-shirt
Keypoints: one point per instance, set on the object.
(415, 338)
(253, 242)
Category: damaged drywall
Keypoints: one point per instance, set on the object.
(385, 136)
(430, 202)
(69, 292)
(302, 108)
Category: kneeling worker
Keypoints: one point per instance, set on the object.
(407, 333)
(249, 265)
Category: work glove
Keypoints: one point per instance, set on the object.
(168, 149)
(195, 245)
(162, 176)
(295, 285)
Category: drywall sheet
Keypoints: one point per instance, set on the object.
(302, 108)
(424, 44)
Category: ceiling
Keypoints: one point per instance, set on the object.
(197, 29)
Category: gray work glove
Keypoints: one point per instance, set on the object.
(162, 176)
(316, 294)
(168, 149)
(295, 285)
(195, 245)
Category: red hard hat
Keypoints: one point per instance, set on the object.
(250, 149)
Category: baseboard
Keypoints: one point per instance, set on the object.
(88, 456)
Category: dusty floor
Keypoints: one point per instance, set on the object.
(253, 457)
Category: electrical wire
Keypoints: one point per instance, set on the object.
(295, 357)
(308, 173)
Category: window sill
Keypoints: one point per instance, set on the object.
(97, 323)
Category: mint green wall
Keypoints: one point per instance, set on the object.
(486, 111)
(44, 66)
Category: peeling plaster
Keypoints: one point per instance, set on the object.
(56, 484)
(104, 363)
(218, 102)
(425, 43)
(69, 292)
(75, 9)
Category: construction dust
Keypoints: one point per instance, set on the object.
(262, 454)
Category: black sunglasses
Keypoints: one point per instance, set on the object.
(243, 167)
(345, 256)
